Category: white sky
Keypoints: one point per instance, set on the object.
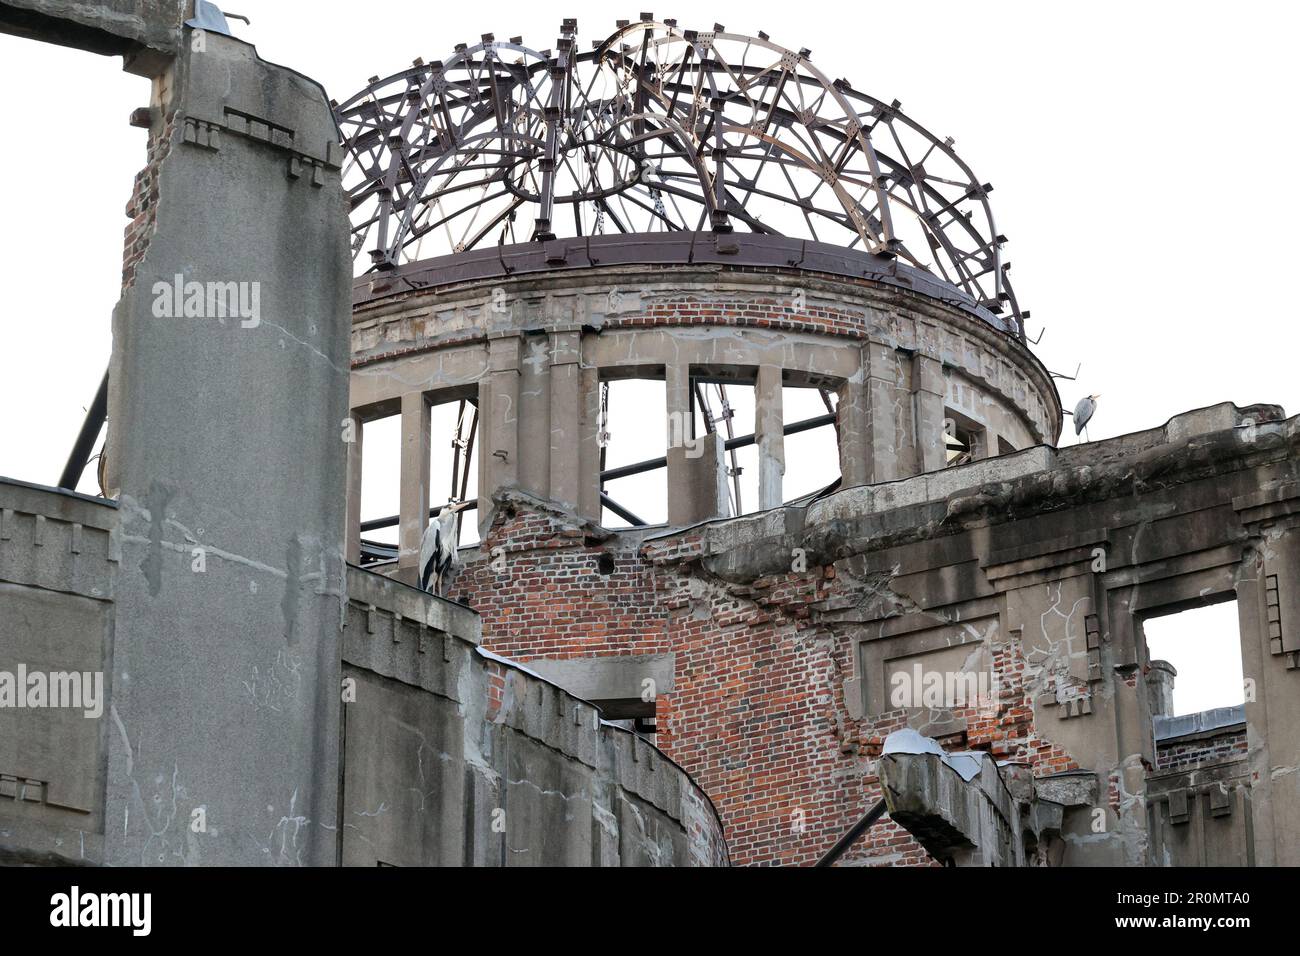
(1204, 645)
(1132, 149)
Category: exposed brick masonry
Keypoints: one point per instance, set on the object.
(757, 714)
(1184, 754)
(142, 209)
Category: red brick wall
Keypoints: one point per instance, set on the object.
(142, 209)
(757, 712)
(1192, 753)
(551, 599)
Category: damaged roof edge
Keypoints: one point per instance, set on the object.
(965, 487)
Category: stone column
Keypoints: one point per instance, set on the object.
(701, 467)
(1160, 688)
(356, 455)
(1268, 609)
(678, 425)
(566, 419)
(589, 444)
(498, 425)
(768, 429)
(222, 736)
(851, 426)
(709, 478)
(413, 508)
(931, 450)
(533, 414)
(882, 412)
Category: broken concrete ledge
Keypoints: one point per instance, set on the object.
(1190, 446)
(368, 588)
(967, 809)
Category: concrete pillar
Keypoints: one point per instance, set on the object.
(709, 479)
(1282, 585)
(700, 466)
(931, 451)
(1160, 688)
(566, 419)
(413, 507)
(498, 425)
(851, 428)
(882, 412)
(589, 443)
(225, 671)
(1268, 608)
(533, 411)
(681, 450)
(769, 421)
(356, 454)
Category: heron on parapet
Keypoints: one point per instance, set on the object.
(438, 547)
(1083, 413)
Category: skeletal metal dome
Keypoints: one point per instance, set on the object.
(655, 129)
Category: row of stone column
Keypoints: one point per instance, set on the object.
(869, 408)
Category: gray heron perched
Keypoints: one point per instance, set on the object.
(1083, 413)
(438, 547)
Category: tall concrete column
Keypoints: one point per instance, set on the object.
(768, 428)
(927, 374)
(227, 453)
(566, 419)
(678, 425)
(701, 467)
(413, 506)
(1268, 608)
(852, 428)
(498, 425)
(356, 455)
(533, 412)
(882, 412)
(589, 443)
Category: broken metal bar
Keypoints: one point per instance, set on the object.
(375, 524)
(377, 551)
(740, 441)
(619, 510)
(637, 468)
(851, 836)
(85, 442)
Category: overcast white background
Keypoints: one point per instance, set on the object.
(1143, 159)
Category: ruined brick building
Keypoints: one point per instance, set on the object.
(703, 211)
(955, 537)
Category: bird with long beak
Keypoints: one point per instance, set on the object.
(438, 547)
(1083, 413)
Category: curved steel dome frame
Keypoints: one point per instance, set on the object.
(656, 129)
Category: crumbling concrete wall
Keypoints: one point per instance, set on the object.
(212, 597)
(59, 555)
(145, 33)
(447, 755)
(453, 756)
(789, 631)
(230, 596)
(967, 809)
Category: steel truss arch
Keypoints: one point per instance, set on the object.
(656, 128)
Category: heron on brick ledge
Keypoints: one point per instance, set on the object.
(438, 547)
